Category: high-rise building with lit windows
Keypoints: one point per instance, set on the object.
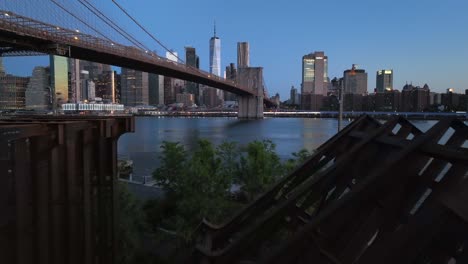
(384, 81)
(314, 80)
(134, 87)
(315, 73)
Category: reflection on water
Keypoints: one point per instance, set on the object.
(289, 135)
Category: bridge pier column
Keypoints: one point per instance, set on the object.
(251, 106)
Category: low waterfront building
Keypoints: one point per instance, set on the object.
(78, 107)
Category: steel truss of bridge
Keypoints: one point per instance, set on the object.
(374, 193)
(21, 34)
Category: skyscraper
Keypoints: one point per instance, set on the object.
(230, 74)
(153, 87)
(156, 88)
(59, 80)
(215, 54)
(2, 69)
(294, 96)
(315, 73)
(192, 60)
(384, 81)
(106, 86)
(38, 91)
(171, 85)
(134, 87)
(94, 68)
(215, 69)
(243, 56)
(75, 81)
(355, 81)
(81, 72)
(314, 80)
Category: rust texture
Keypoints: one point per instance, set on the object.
(374, 193)
(57, 179)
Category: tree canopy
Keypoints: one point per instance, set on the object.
(201, 184)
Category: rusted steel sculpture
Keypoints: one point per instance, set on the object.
(372, 194)
(57, 178)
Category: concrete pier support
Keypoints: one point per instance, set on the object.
(251, 107)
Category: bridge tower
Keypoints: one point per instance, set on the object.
(251, 106)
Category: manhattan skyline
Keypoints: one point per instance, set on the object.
(422, 42)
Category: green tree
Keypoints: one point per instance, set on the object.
(259, 168)
(173, 166)
(200, 184)
(228, 154)
(130, 226)
(298, 159)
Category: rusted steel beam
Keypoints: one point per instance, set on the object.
(216, 235)
(56, 191)
(398, 188)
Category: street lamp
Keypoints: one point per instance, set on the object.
(340, 109)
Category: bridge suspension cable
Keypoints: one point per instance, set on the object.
(79, 19)
(146, 31)
(112, 24)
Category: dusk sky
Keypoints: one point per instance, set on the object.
(422, 41)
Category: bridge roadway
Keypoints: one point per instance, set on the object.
(26, 34)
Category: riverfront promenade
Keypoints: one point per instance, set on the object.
(318, 114)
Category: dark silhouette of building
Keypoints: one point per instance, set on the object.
(210, 98)
(106, 86)
(192, 60)
(312, 101)
(118, 87)
(451, 101)
(352, 102)
(415, 98)
(294, 97)
(231, 74)
(388, 101)
(153, 89)
(335, 86)
(2, 68)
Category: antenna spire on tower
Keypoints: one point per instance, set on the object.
(215, 28)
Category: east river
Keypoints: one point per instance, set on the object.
(289, 134)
